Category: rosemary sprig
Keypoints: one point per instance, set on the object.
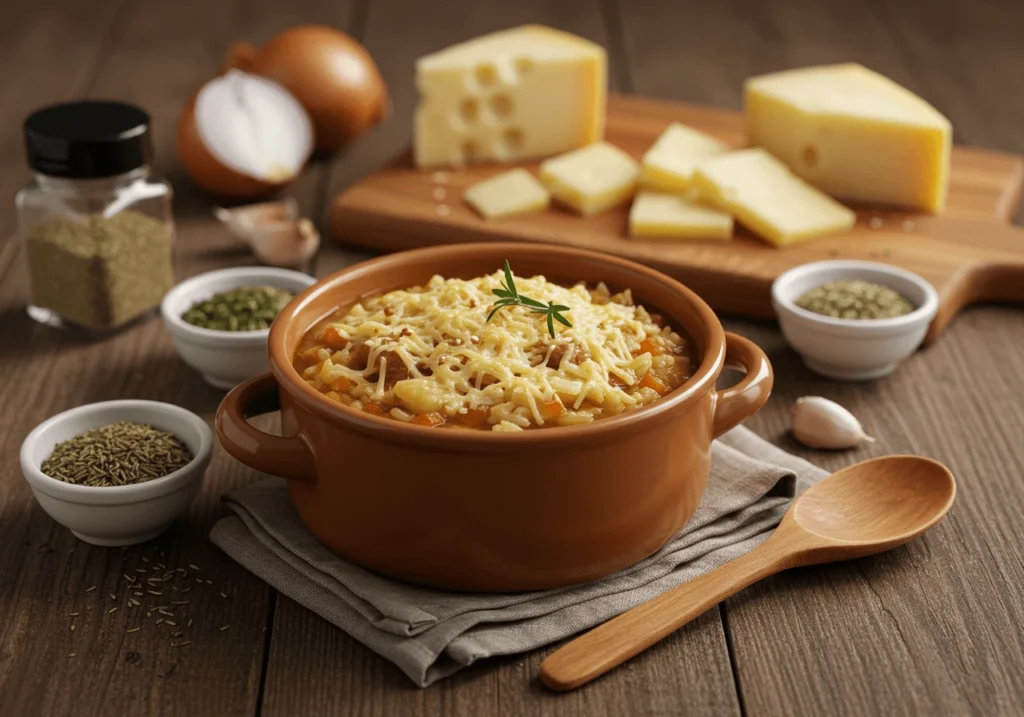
(508, 295)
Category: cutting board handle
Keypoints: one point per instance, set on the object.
(997, 279)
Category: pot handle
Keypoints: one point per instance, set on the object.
(283, 456)
(746, 398)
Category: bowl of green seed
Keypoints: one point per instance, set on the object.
(220, 320)
(117, 472)
(853, 320)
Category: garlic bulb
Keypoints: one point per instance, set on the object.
(820, 423)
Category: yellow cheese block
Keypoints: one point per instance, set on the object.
(592, 179)
(768, 199)
(669, 163)
(508, 194)
(658, 215)
(853, 133)
(524, 93)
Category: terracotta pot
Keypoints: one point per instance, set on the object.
(479, 510)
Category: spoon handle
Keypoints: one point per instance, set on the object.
(609, 645)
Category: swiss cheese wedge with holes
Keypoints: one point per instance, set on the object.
(524, 93)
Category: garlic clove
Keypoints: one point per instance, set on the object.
(244, 220)
(818, 422)
(290, 243)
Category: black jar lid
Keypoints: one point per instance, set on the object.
(88, 139)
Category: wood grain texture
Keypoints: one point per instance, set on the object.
(963, 253)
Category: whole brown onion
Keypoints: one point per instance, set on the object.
(331, 75)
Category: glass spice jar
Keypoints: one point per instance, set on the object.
(95, 223)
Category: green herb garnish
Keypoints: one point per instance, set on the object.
(509, 296)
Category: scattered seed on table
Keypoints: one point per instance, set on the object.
(129, 578)
(178, 602)
(172, 623)
(223, 595)
(186, 590)
(89, 590)
(138, 593)
(140, 570)
(154, 592)
(134, 629)
(209, 582)
(181, 644)
(72, 628)
(194, 567)
(72, 654)
(176, 635)
(145, 559)
(199, 580)
(159, 621)
(165, 612)
(73, 614)
(189, 622)
(112, 610)
(113, 596)
(222, 628)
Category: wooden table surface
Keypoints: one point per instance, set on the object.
(933, 628)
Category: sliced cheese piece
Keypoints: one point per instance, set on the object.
(507, 194)
(524, 93)
(592, 179)
(668, 165)
(659, 215)
(853, 133)
(768, 199)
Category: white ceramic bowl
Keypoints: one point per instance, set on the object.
(224, 358)
(125, 514)
(852, 349)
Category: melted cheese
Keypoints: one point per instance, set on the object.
(454, 361)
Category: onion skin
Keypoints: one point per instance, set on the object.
(210, 174)
(329, 73)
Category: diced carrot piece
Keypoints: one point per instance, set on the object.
(650, 381)
(652, 347)
(332, 339)
(551, 409)
(474, 417)
(341, 385)
(428, 419)
(373, 409)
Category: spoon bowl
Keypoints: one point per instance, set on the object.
(867, 508)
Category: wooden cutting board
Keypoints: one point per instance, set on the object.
(970, 253)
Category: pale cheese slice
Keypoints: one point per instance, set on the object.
(592, 179)
(768, 199)
(523, 93)
(853, 133)
(508, 194)
(668, 165)
(659, 215)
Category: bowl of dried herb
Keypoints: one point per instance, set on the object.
(220, 320)
(853, 320)
(117, 472)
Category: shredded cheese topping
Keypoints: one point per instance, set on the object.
(431, 352)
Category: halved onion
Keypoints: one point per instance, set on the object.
(244, 136)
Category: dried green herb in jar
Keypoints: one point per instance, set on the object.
(855, 299)
(100, 272)
(248, 308)
(119, 454)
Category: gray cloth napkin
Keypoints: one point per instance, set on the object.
(431, 634)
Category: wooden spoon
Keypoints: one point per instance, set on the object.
(867, 508)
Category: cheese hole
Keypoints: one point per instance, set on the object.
(501, 106)
(523, 65)
(469, 110)
(513, 139)
(486, 74)
(469, 151)
(809, 156)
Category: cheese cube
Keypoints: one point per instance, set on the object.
(509, 193)
(658, 215)
(768, 199)
(853, 133)
(669, 163)
(524, 93)
(592, 179)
